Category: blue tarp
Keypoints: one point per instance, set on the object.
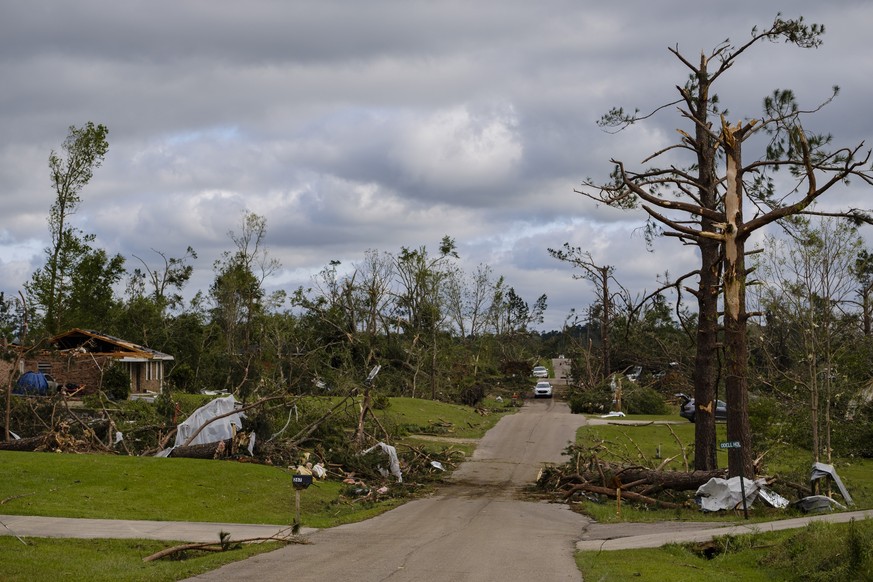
(32, 383)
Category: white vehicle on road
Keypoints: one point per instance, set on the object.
(540, 372)
(543, 390)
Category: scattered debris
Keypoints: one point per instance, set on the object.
(817, 504)
(822, 470)
(393, 461)
(599, 478)
(718, 494)
(612, 414)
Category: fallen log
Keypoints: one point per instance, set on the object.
(613, 493)
(25, 444)
(654, 480)
(214, 450)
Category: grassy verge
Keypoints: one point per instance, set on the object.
(821, 551)
(106, 560)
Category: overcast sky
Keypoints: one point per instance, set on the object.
(380, 124)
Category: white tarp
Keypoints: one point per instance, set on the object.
(717, 494)
(393, 461)
(219, 430)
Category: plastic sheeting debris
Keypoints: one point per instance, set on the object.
(219, 430)
(821, 470)
(393, 461)
(612, 414)
(772, 498)
(816, 504)
(717, 494)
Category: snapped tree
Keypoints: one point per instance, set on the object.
(701, 205)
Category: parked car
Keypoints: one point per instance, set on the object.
(543, 390)
(688, 409)
(540, 372)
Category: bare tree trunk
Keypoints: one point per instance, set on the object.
(736, 343)
(365, 406)
(605, 321)
(813, 412)
(705, 374)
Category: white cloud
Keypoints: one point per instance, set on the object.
(354, 127)
(458, 150)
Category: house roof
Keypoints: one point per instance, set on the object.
(92, 342)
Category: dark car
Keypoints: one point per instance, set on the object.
(687, 409)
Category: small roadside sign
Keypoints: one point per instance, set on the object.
(730, 445)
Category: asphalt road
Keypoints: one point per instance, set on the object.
(474, 529)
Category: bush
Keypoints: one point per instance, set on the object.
(643, 400)
(182, 378)
(472, 395)
(590, 401)
(635, 400)
(116, 383)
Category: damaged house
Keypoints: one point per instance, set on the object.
(78, 357)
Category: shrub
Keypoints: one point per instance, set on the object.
(643, 400)
(590, 400)
(116, 383)
(182, 378)
(471, 395)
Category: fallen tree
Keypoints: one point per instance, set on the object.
(616, 481)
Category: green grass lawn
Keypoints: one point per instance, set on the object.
(420, 416)
(114, 487)
(106, 560)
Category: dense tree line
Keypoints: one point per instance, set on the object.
(436, 329)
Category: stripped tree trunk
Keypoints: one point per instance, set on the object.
(736, 344)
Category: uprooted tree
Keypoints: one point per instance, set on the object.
(701, 204)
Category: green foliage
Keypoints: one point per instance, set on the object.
(182, 378)
(116, 383)
(826, 552)
(471, 395)
(853, 437)
(643, 400)
(380, 401)
(590, 400)
(73, 269)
